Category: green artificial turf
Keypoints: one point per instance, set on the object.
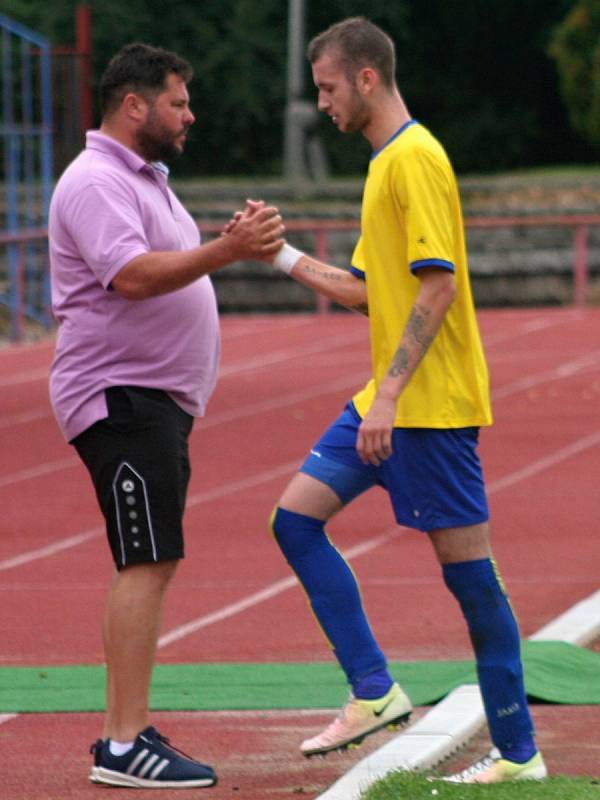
(555, 672)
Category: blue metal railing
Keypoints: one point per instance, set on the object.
(26, 144)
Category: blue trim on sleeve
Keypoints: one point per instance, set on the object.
(358, 273)
(432, 262)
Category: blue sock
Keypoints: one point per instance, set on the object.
(496, 642)
(335, 600)
(373, 686)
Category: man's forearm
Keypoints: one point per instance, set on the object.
(256, 235)
(423, 324)
(157, 273)
(337, 284)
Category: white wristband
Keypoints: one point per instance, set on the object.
(286, 258)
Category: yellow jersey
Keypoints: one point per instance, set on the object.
(411, 218)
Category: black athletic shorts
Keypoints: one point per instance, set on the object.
(139, 463)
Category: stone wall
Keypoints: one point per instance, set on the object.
(509, 265)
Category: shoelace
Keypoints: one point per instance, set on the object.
(165, 740)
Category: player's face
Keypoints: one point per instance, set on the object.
(162, 135)
(338, 97)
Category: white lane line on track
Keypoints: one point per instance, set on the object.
(181, 631)
(50, 550)
(242, 485)
(529, 326)
(280, 401)
(25, 417)
(563, 371)
(234, 367)
(289, 353)
(244, 329)
(568, 369)
(194, 500)
(592, 440)
(231, 369)
(496, 486)
(26, 376)
(573, 449)
(40, 469)
(211, 421)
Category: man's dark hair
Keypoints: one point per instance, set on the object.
(142, 69)
(357, 42)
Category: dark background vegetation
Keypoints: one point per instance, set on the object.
(483, 75)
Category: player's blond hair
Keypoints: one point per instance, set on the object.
(357, 42)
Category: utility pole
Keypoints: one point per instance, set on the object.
(303, 157)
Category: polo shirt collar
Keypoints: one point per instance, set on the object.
(94, 140)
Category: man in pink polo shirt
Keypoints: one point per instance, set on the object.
(136, 360)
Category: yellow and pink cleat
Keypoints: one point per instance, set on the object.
(495, 769)
(358, 719)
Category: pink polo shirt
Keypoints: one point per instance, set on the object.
(108, 207)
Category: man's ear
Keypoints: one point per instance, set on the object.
(366, 80)
(134, 106)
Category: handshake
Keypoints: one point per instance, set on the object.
(257, 233)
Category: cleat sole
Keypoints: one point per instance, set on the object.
(352, 744)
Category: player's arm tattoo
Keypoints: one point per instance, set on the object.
(334, 277)
(328, 276)
(415, 332)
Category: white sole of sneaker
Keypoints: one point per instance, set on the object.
(111, 778)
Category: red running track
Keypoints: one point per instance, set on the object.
(282, 380)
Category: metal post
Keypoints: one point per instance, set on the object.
(83, 24)
(581, 265)
(11, 167)
(46, 153)
(293, 140)
(300, 114)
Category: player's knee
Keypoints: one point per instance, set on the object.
(483, 600)
(295, 534)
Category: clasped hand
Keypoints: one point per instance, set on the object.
(257, 231)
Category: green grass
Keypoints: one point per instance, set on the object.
(409, 786)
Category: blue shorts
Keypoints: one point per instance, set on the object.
(433, 477)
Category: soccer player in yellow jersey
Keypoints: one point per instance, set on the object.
(414, 428)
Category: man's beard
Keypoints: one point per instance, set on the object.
(157, 144)
(359, 116)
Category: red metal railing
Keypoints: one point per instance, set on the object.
(580, 223)
(15, 295)
(321, 229)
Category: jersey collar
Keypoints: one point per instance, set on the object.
(395, 135)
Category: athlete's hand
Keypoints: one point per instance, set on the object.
(255, 233)
(374, 441)
(251, 207)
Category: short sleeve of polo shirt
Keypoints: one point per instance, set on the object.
(424, 192)
(106, 226)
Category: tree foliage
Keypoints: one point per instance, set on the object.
(576, 47)
(478, 74)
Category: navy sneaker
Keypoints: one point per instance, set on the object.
(151, 764)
